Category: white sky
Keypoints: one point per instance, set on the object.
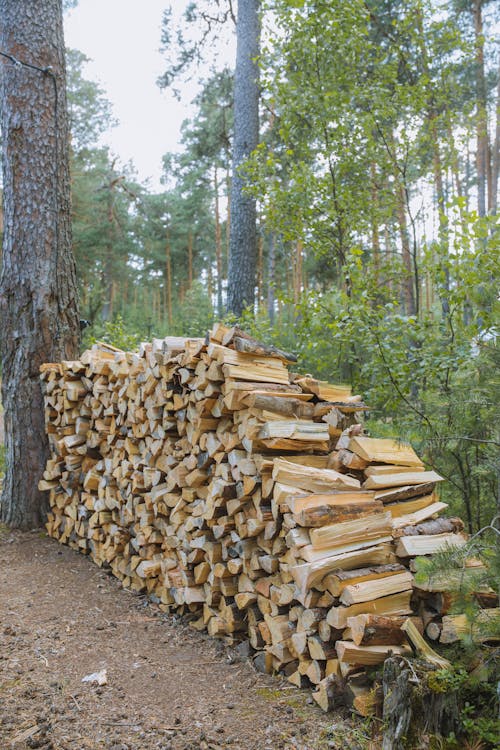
(122, 38)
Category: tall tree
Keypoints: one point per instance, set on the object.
(243, 230)
(207, 141)
(40, 321)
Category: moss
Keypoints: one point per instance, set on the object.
(270, 694)
(446, 680)
(9, 684)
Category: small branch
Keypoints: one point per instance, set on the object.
(398, 390)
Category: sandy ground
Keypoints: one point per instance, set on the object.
(168, 686)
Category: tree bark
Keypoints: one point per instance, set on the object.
(375, 220)
(190, 260)
(40, 321)
(243, 233)
(107, 273)
(271, 267)
(168, 278)
(218, 245)
(495, 166)
(260, 269)
(297, 271)
(408, 281)
(397, 710)
(483, 165)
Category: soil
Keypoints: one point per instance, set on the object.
(168, 687)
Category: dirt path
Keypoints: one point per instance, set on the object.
(169, 687)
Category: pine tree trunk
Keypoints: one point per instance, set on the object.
(260, 269)
(271, 267)
(218, 244)
(40, 321)
(228, 217)
(297, 269)
(443, 232)
(168, 279)
(190, 260)
(483, 165)
(408, 287)
(375, 220)
(243, 234)
(437, 169)
(107, 273)
(495, 167)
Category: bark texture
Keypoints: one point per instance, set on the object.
(397, 711)
(243, 235)
(38, 305)
(483, 165)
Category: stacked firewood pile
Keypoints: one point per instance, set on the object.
(208, 475)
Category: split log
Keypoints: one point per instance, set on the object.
(368, 655)
(386, 451)
(330, 693)
(376, 630)
(423, 649)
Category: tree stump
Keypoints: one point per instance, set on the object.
(416, 710)
(397, 708)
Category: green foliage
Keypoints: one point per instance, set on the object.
(446, 680)
(194, 315)
(464, 582)
(89, 112)
(2, 459)
(115, 332)
(484, 729)
(430, 379)
(477, 673)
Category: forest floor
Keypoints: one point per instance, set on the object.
(168, 687)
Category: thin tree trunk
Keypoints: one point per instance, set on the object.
(210, 283)
(443, 231)
(374, 218)
(218, 244)
(495, 167)
(168, 279)
(271, 266)
(107, 274)
(190, 260)
(260, 269)
(38, 297)
(297, 276)
(468, 170)
(243, 232)
(455, 165)
(388, 252)
(483, 164)
(228, 218)
(408, 286)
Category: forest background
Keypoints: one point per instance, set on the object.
(376, 183)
